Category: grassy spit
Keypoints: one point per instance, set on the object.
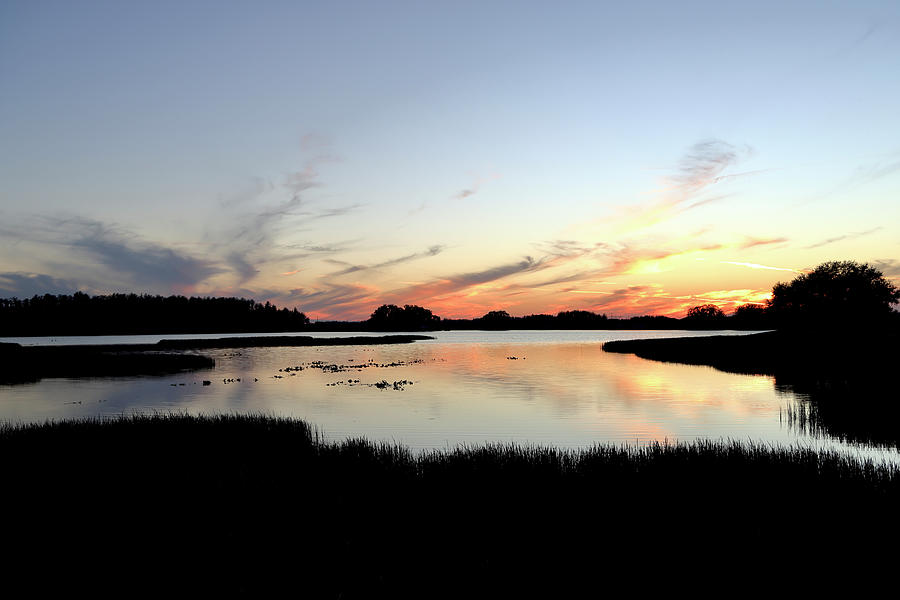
(25, 364)
(257, 504)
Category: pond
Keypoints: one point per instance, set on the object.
(463, 387)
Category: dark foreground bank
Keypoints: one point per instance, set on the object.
(254, 505)
(23, 364)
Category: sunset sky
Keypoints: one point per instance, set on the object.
(625, 158)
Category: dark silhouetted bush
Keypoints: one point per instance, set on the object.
(837, 293)
(390, 317)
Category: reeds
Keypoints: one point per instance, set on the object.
(255, 503)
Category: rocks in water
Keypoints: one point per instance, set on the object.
(381, 385)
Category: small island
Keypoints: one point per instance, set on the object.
(21, 364)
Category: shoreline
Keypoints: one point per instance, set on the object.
(842, 378)
(772, 352)
(27, 364)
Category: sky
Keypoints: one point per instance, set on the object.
(624, 158)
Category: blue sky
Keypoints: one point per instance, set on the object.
(463, 156)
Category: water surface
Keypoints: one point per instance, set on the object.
(464, 387)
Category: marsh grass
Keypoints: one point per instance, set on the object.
(259, 504)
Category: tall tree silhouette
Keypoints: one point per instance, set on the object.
(836, 293)
(705, 316)
(390, 317)
(750, 316)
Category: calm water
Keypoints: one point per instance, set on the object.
(464, 387)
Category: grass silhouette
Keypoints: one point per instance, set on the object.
(258, 504)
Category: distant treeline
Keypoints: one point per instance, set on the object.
(583, 319)
(844, 295)
(390, 317)
(81, 314)
(839, 295)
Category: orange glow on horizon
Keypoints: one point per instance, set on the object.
(624, 303)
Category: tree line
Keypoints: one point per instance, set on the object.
(834, 294)
(390, 317)
(82, 314)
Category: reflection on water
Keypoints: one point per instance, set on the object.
(555, 388)
(856, 407)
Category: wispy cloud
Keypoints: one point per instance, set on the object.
(143, 262)
(473, 188)
(253, 189)
(876, 171)
(140, 262)
(567, 248)
(756, 266)
(240, 265)
(890, 267)
(462, 194)
(632, 301)
(703, 166)
(752, 242)
(334, 301)
(338, 211)
(323, 248)
(431, 251)
(887, 166)
(307, 249)
(624, 258)
(26, 285)
(254, 242)
(840, 238)
(465, 281)
(603, 260)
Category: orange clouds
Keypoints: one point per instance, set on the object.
(752, 242)
(581, 276)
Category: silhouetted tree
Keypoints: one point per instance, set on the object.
(580, 319)
(537, 322)
(386, 313)
(390, 317)
(420, 318)
(836, 293)
(705, 312)
(705, 316)
(496, 315)
(496, 319)
(749, 311)
(750, 316)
